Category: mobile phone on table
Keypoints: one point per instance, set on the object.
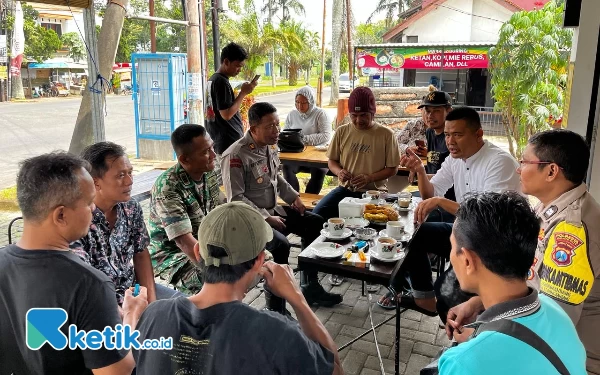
(256, 77)
(420, 143)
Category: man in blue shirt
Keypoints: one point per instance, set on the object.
(494, 240)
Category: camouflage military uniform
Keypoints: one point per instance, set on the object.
(177, 206)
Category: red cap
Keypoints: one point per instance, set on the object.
(361, 100)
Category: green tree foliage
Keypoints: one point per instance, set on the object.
(370, 33)
(272, 7)
(40, 43)
(73, 42)
(529, 72)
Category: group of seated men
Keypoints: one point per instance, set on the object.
(78, 212)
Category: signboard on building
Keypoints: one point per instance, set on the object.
(422, 57)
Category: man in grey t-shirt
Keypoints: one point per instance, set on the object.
(214, 332)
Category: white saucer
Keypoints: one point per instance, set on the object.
(409, 208)
(347, 233)
(356, 222)
(404, 238)
(396, 257)
(328, 250)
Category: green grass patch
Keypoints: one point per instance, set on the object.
(282, 85)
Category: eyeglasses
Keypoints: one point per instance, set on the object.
(539, 162)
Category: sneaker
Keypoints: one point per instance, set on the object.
(336, 280)
(316, 295)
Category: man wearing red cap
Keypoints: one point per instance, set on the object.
(363, 154)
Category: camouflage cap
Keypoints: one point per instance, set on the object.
(238, 229)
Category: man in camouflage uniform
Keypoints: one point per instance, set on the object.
(181, 198)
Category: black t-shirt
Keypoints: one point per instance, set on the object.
(221, 97)
(437, 151)
(228, 338)
(59, 279)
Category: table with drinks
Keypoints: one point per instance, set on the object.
(368, 250)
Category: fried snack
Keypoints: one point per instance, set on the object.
(369, 207)
(376, 217)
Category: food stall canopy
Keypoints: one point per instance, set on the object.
(57, 65)
(71, 3)
(396, 56)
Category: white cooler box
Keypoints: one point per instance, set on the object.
(352, 207)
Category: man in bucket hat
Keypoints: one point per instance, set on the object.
(220, 334)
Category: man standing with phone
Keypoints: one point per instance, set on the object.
(223, 119)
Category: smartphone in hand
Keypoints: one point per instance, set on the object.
(420, 143)
(256, 77)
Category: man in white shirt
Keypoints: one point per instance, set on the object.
(475, 165)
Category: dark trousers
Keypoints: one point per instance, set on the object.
(308, 227)
(314, 185)
(431, 238)
(328, 206)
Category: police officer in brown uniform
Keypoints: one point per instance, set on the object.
(566, 266)
(250, 170)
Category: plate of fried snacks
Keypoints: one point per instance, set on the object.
(379, 214)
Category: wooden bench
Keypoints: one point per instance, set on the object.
(142, 184)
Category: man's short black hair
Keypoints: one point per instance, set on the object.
(224, 273)
(47, 181)
(467, 114)
(565, 148)
(258, 111)
(184, 135)
(99, 154)
(233, 52)
(502, 229)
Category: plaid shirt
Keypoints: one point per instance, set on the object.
(112, 251)
(177, 207)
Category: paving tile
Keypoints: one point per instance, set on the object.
(354, 362)
(323, 314)
(355, 332)
(370, 348)
(347, 319)
(416, 363)
(412, 315)
(388, 364)
(406, 348)
(426, 349)
(442, 338)
(424, 337)
(333, 328)
(429, 327)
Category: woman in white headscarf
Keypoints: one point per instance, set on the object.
(315, 128)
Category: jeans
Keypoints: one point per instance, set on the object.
(314, 185)
(431, 238)
(328, 206)
(308, 227)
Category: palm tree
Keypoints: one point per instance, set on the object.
(337, 32)
(391, 8)
(271, 7)
(300, 49)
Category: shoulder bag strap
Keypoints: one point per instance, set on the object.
(520, 332)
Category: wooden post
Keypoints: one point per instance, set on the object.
(29, 81)
(322, 75)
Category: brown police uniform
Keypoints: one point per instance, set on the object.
(567, 264)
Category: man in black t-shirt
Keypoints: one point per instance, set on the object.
(437, 105)
(56, 196)
(214, 332)
(223, 119)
